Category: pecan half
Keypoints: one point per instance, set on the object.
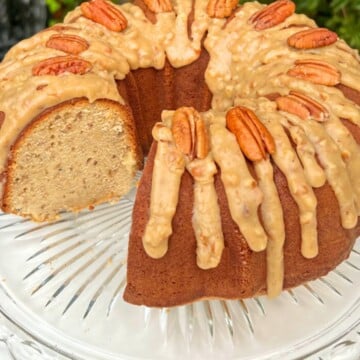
(104, 13)
(312, 38)
(159, 6)
(190, 133)
(2, 118)
(316, 71)
(304, 107)
(252, 136)
(273, 14)
(202, 139)
(71, 44)
(61, 64)
(221, 8)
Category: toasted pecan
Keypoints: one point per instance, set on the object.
(71, 44)
(159, 6)
(190, 133)
(61, 64)
(104, 13)
(292, 106)
(304, 107)
(316, 71)
(181, 130)
(317, 111)
(221, 8)
(273, 14)
(254, 139)
(312, 38)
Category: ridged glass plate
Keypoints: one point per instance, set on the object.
(61, 284)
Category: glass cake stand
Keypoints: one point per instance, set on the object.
(61, 288)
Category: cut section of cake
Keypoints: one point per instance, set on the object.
(72, 156)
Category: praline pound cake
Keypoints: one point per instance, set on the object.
(252, 180)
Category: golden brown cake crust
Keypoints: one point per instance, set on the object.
(175, 279)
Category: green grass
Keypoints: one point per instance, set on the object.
(341, 16)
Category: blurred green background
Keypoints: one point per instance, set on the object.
(342, 16)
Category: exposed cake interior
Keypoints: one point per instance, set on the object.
(77, 154)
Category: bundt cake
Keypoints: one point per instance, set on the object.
(252, 181)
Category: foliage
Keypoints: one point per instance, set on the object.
(339, 15)
(59, 8)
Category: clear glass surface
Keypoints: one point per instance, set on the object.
(61, 284)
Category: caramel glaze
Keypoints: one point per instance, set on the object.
(206, 219)
(168, 169)
(178, 270)
(240, 66)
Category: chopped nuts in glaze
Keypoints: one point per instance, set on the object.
(206, 219)
(316, 71)
(104, 13)
(272, 15)
(169, 165)
(221, 8)
(191, 137)
(243, 193)
(314, 173)
(71, 44)
(330, 159)
(273, 220)
(350, 153)
(312, 38)
(271, 209)
(287, 161)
